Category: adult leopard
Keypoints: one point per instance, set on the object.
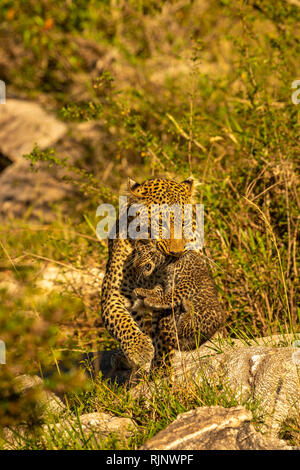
(121, 278)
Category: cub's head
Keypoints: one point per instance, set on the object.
(147, 257)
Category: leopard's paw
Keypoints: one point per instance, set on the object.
(140, 352)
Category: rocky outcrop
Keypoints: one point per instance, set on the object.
(85, 283)
(47, 402)
(267, 374)
(22, 123)
(213, 428)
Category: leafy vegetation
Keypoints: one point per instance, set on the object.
(175, 88)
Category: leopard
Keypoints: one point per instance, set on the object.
(121, 319)
(185, 308)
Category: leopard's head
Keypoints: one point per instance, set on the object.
(156, 196)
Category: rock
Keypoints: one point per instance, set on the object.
(91, 427)
(61, 423)
(22, 123)
(23, 192)
(267, 374)
(48, 403)
(104, 424)
(213, 428)
(33, 194)
(82, 282)
(47, 406)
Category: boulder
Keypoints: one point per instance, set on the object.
(47, 402)
(62, 425)
(22, 123)
(267, 374)
(213, 428)
(93, 428)
(105, 424)
(29, 194)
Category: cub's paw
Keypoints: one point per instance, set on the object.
(156, 291)
(140, 293)
(155, 301)
(152, 298)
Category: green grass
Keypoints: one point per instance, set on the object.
(151, 413)
(190, 90)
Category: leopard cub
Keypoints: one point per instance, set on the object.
(186, 311)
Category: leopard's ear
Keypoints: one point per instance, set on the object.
(133, 187)
(189, 184)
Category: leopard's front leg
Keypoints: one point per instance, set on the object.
(136, 345)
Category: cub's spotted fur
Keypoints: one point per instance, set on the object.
(186, 311)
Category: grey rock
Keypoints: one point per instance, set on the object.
(267, 374)
(213, 428)
(104, 423)
(47, 402)
(22, 123)
(24, 193)
(91, 427)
